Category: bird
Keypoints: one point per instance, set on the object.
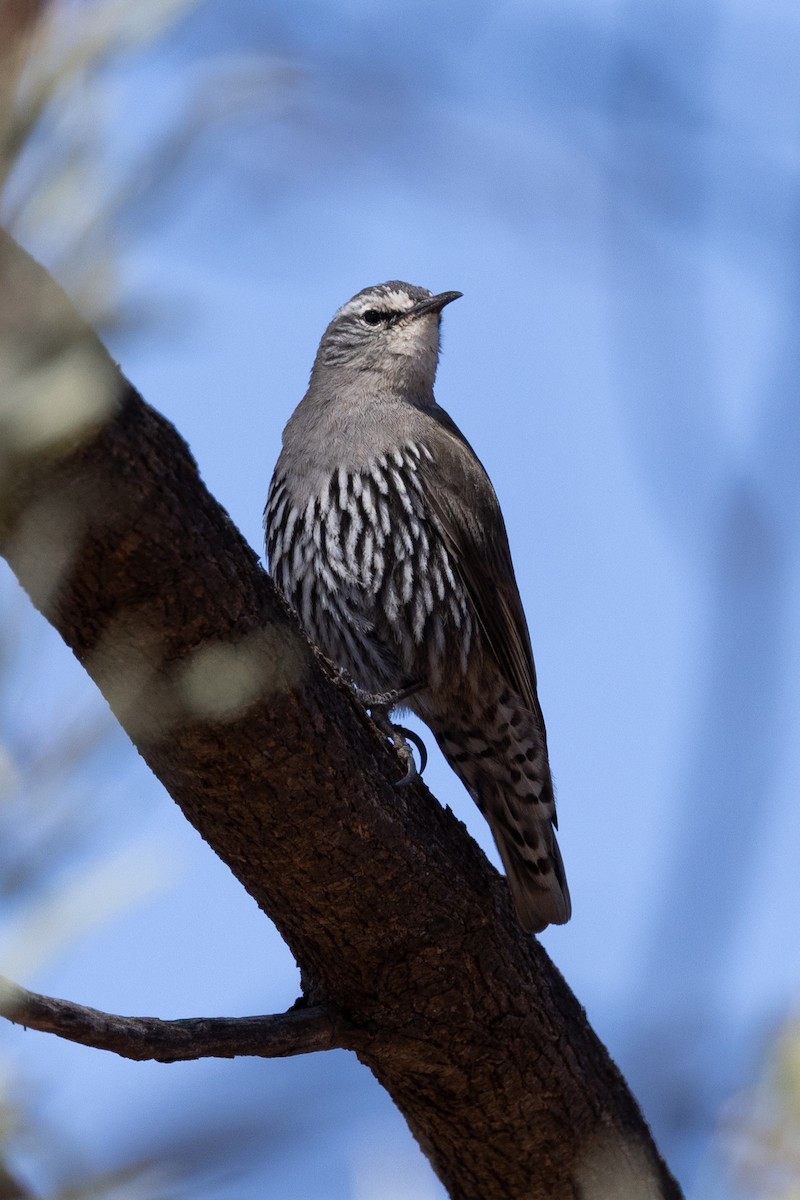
(386, 537)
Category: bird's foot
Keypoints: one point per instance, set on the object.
(389, 700)
(400, 737)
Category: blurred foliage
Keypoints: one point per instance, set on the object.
(68, 185)
(54, 179)
(762, 1133)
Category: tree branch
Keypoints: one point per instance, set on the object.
(391, 910)
(298, 1031)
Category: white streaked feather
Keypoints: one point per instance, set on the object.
(379, 478)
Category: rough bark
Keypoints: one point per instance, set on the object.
(304, 1029)
(394, 915)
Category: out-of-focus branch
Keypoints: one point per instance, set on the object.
(11, 1188)
(18, 21)
(299, 1031)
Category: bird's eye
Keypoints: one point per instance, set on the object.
(373, 317)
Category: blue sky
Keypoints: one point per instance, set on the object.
(614, 188)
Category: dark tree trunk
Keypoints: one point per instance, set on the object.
(392, 912)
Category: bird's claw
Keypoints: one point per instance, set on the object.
(400, 737)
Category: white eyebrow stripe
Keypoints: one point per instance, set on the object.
(395, 299)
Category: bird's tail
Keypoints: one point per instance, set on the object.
(536, 878)
(497, 746)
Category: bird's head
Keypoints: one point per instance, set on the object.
(390, 331)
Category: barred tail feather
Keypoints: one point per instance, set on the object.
(538, 884)
(496, 745)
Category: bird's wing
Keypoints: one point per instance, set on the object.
(464, 502)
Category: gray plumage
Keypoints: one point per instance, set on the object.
(385, 534)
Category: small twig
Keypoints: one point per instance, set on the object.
(298, 1031)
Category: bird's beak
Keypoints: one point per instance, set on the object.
(434, 305)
